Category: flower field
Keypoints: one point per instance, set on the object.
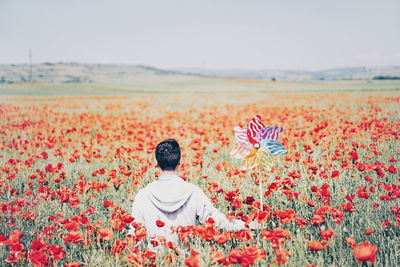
(70, 168)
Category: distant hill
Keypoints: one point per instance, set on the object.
(87, 73)
(126, 74)
(357, 73)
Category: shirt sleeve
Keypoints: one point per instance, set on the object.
(205, 210)
(136, 213)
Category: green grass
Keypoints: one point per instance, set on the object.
(201, 86)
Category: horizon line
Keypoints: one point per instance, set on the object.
(205, 69)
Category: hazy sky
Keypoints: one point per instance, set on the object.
(297, 34)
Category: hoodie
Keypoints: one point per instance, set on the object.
(176, 203)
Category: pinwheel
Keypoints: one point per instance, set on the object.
(257, 145)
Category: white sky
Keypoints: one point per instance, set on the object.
(307, 34)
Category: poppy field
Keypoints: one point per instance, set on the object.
(70, 167)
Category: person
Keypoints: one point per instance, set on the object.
(171, 201)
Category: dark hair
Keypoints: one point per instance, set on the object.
(168, 154)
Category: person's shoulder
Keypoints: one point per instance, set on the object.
(141, 193)
(195, 186)
(188, 183)
(147, 187)
(196, 189)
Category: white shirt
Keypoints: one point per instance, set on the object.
(175, 202)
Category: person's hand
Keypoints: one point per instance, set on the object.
(254, 225)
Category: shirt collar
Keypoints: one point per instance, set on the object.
(166, 177)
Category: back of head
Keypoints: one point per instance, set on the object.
(168, 155)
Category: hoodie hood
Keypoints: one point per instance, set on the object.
(169, 193)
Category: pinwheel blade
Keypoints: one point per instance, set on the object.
(264, 158)
(275, 148)
(268, 132)
(250, 161)
(240, 152)
(241, 137)
(253, 127)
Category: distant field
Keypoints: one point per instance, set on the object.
(194, 85)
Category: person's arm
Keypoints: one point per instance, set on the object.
(205, 210)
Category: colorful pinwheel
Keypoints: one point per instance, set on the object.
(257, 144)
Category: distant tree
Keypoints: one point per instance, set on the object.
(388, 77)
(273, 79)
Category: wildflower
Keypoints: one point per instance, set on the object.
(193, 260)
(316, 245)
(160, 223)
(365, 252)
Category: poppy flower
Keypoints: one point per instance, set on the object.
(369, 231)
(316, 245)
(193, 260)
(117, 222)
(105, 233)
(327, 234)
(37, 244)
(72, 264)
(219, 257)
(74, 237)
(220, 239)
(160, 223)
(247, 256)
(281, 256)
(119, 246)
(38, 258)
(365, 252)
(56, 252)
(108, 203)
(3, 238)
(335, 174)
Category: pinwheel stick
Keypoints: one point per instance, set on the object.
(260, 190)
(261, 197)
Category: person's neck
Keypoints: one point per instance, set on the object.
(174, 172)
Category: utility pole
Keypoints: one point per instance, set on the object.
(30, 65)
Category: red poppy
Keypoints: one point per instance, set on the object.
(219, 257)
(221, 238)
(72, 264)
(247, 256)
(365, 252)
(105, 233)
(160, 223)
(281, 256)
(57, 252)
(316, 245)
(117, 222)
(74, 237)
(335, 174)
(327, 234)
(119, 246)
(193, 260)
(369, 231)
(38, 258)
(351, 241)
